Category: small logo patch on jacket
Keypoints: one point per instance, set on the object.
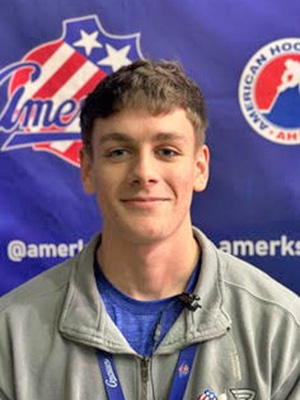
(243, 394)
(207, 395)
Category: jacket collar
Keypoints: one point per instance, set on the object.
(211, 320)
(85, 320)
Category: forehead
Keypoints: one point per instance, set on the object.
(140, 125)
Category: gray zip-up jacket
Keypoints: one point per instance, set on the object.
(247, 333)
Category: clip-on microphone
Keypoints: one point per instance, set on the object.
(190, 300)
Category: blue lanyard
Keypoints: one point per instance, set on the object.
(181, 375)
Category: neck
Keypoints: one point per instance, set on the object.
(149, 271)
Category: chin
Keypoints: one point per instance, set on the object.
(144, 234)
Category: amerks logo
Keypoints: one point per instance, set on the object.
(42, 93)
(269, 91)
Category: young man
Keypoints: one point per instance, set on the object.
(150, 309)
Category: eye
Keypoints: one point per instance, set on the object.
(117, 154)
(167, 152)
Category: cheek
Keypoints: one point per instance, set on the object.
(184, 184)
(107, 188)
(102, 188)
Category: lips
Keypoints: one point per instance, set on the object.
(144, 199)
(144, 203)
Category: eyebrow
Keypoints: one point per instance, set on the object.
(165, 136)
(123, 138)
(114, 136)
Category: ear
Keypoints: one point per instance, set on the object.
(202, 168)
(86, 170)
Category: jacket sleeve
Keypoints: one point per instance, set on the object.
(290, 389)
(286, 361)
(6, 360)
(3, 396)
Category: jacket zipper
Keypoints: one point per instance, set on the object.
(146, 361)
(145, 377)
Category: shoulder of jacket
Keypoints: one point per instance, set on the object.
(48, 283)
(44, 285)
(248, 280)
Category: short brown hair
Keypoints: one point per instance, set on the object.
(155, 86)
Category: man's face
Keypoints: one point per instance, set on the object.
(143, 171)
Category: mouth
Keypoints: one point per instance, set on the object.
(144, 202)
(144, 199)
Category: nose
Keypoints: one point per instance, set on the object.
(143, 170)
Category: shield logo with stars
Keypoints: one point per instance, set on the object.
(43, 92)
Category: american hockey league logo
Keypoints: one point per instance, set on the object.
(269, 91)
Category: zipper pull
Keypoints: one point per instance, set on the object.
(145, 372)
(145, 377)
